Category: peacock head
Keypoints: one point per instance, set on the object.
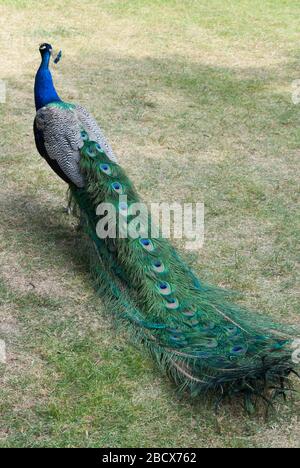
(45, 49)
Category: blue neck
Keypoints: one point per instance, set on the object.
(44, 91)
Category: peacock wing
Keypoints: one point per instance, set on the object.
(94, 131)
(60, 126)
(61, 135)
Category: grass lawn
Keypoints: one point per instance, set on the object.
(195, 97)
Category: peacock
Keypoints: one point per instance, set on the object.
(197, 336)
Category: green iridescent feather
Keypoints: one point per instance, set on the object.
(197, 336)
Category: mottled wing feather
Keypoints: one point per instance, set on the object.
(62, 140)
(61, 128)
(95, 133)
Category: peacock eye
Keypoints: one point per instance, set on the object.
(158, 266)
(117, 187)
(91, 153)
(231, 330)
(164, 288)
(84, 136)
(172, 304)
(175, 338)
(239, 350)
(123, 207)
(105, 168)
(189, 313)
(99, 149)
(147, 244)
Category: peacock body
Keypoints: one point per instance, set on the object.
(196, 335)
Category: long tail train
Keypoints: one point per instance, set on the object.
(196, 335)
